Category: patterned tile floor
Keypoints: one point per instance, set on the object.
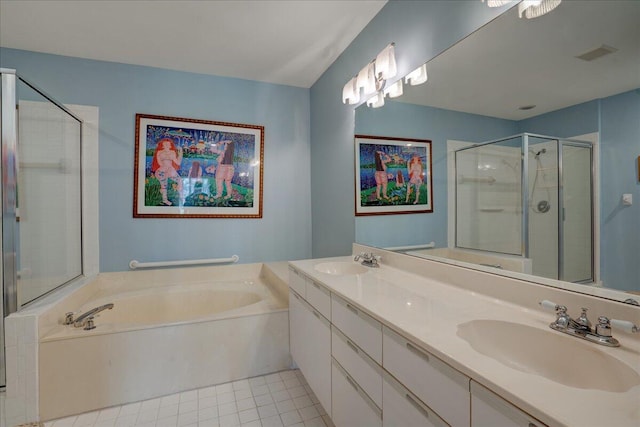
(274, 400)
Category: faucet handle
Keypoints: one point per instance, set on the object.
(603, 328)
(624, 325)
(68, 318)
(90, 325)
(550, 305)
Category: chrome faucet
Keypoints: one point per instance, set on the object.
(368, 259)
(86, 319)
(581, 327)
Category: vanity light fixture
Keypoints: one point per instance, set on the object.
(372, 77)
(529, 8)
(535, 8)
(395, 90)
(497, 3)
(376, 101)
(417, 76)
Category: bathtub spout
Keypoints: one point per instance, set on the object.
(82, 320)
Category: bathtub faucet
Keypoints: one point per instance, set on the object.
(86, 319)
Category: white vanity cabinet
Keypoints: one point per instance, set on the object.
(310, 344)
(490, 410)
(368, 375)
(361, 328)
(403, 408)
(352, 407)
(298, 282)
(439, 386)
(356, 347)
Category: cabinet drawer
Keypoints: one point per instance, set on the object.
(361, 328)
(319, 297)
(403, 408)
(297, 282)
(363, 369)
(351, 407)
(489, 409)
(438, 385)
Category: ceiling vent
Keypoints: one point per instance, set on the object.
(596, 53)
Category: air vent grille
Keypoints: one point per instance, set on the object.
(596, 53)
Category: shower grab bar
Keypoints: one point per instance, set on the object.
(60, 166)
(483, 179)
(134, 264)
(412, 247)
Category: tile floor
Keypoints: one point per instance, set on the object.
(274, 400)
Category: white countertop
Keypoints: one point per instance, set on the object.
(429, 312)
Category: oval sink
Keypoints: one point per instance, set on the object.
(340, 268)
(557, 357)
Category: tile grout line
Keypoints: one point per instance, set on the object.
(266, 409)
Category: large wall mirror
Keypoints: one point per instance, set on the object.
(535, 126)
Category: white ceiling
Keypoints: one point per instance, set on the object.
(286, 42)
(513, 62)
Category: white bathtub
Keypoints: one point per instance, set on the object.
(216, 324)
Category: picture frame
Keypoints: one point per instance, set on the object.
(190, 168)
(390, 172)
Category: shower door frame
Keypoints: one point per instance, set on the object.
(8, 198)
(561, 235)
(8, 140)
(525, 195)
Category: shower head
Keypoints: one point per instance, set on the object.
(536, 154)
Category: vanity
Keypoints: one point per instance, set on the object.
(420, 342)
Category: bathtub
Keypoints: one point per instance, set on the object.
(169, 331)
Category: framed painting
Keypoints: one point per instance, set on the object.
(188, 168)
(393, 175)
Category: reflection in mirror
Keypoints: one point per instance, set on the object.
(571, 75)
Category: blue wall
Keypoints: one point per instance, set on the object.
(403, 120)
(421, 30)
(620, 225)
(579, 119)
(121, 91)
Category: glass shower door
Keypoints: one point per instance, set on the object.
(576, 218)
(489, 197)
(41, 229)
(49, 206)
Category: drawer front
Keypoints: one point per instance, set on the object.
(362, 329)
(489, 409)
(297, 282)
(363, 369)
(403, 408)
(319, 297)
(296, 328)
(438, 385)
(350, 405)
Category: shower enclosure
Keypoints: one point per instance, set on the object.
(531, 196)
(40, 194)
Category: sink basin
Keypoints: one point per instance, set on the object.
(557, 357)
(340, 268)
